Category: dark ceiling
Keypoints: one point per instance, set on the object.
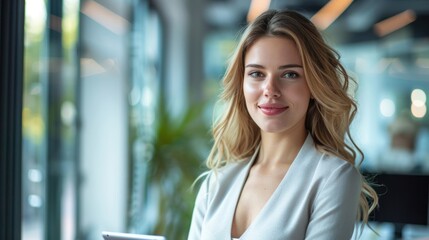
(356, 24)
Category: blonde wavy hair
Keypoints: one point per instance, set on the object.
(330, 113)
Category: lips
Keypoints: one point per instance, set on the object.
(272, 109)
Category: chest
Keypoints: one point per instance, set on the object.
(274, 207)
(258, 188)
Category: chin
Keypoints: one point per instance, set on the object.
(272, 129)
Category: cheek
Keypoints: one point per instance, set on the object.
(250, 90)
(299, 92)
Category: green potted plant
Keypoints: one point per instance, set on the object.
(178, 152)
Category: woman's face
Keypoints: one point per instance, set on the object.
(275, 87)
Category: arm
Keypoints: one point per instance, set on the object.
(199, 212)
(335, 207)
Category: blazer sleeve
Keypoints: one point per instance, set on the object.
(199, 211)
(335, 208)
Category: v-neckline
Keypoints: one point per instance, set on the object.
(243, 180)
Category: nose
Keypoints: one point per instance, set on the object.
(271, 90)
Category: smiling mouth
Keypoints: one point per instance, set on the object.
(271, 111)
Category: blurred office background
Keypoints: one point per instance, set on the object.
(118, 97)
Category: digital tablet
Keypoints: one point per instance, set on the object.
(129, 236)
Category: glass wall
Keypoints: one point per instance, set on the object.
(49, 119)
(143, 99)
(34, 129)
(393, 124)
(167, 139)
(91, 122)
(392, 128)
(104, 52)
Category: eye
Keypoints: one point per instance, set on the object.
(256, 74)
(291, 75)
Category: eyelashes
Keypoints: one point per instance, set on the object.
(291, 75)
(287, 75)
(256, 74)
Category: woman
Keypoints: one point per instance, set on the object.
(282, 166)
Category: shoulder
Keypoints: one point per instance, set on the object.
(332, 162)
(334, 166)
(324, 165)
(328, 168)
(337, 175)
(327, 163)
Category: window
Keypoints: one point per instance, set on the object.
(49, 125)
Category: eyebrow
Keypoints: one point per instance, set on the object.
(281, 67)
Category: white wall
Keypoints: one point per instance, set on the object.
(103, 108)
(103, 154)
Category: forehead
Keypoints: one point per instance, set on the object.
(272, 49)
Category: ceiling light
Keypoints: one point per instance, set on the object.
(394, 23)
(105, 17)
(328, 13)
(257, 7)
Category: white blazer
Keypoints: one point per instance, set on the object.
(318, 198)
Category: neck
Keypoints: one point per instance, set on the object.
(280, 148)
